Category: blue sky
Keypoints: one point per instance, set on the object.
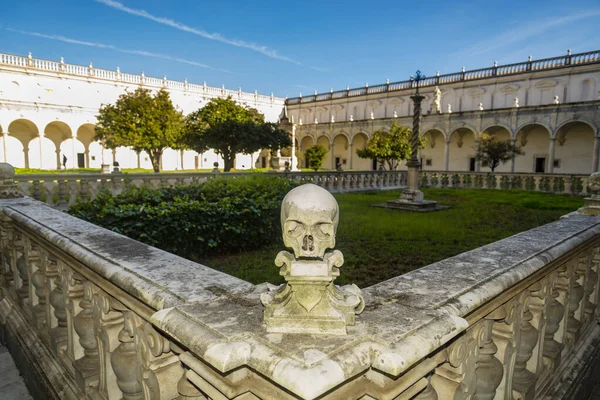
(288, 47)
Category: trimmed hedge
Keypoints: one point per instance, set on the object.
(218, 216)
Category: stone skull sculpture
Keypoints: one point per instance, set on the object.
(309, 220)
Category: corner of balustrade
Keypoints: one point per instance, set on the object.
(591, 205)
(309, 302)
(8, 187)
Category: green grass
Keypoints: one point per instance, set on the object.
(379, 243)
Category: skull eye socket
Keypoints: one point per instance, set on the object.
(294, 228)
(323, 230)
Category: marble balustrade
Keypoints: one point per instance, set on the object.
(63, 190)
(101, 316)
(550, 183)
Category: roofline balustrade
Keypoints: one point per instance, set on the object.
(61, 68)
(545, 64)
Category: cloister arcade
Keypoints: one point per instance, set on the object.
(58, 145)
(570, 148)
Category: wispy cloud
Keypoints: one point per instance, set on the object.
(528, 31)
(212, 36)
(115, 48)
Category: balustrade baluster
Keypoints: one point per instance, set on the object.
(88, 366)
(7, 249)
(108, 323)
(456, 378)
(38, 282)
(62, 194)
(73, 293)
(37, 192)
(22, 277)
(58, 332)
(524, 379)
(575, 296)
(83, 190)
(124, 359)
(489, 369)
(506, 335)
(592, 296)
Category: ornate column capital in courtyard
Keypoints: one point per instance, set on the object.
(309, 302)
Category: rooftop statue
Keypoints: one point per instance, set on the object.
(309, 302)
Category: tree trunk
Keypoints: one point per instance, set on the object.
(229, 161)
(155, 159)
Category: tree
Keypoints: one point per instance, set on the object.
(315, 156)
(143, 122)
(493, 152)
(389, 147)
(230, 128)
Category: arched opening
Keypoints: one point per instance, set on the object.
(23, 131)
(359, 142)
(533, 139)
(126, 157)
(96, 157)
(324, 141)
(433, 154)
(75, 148)
(341, 154)
(170, 160)
(42, 154)
(85, 134)
(501, 133)
(58, 132)
(574, 146)
(462, 150)
(191, 159)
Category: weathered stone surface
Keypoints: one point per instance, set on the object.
(219, 319)
(157, 278)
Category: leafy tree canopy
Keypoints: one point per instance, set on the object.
(142, 121)
(230, 128)
(493, 151)
(315, 156)
(390, 148)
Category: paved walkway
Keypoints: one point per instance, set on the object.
(12, 386)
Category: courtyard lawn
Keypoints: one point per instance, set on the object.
(379, 243)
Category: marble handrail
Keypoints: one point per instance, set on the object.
(103, 316)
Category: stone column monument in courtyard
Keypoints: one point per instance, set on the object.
(412, 198)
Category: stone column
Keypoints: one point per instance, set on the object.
(512, 160)
(413, 193)
(350, 153)
(551, 151)
(4, 136)
(594, 158)
(331, 148)
(74, 152)
(294, 158)
(41, 151)
(447, 155)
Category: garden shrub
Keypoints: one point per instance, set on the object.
(218, 216)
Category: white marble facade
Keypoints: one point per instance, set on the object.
(48, 110)
(550, 107)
